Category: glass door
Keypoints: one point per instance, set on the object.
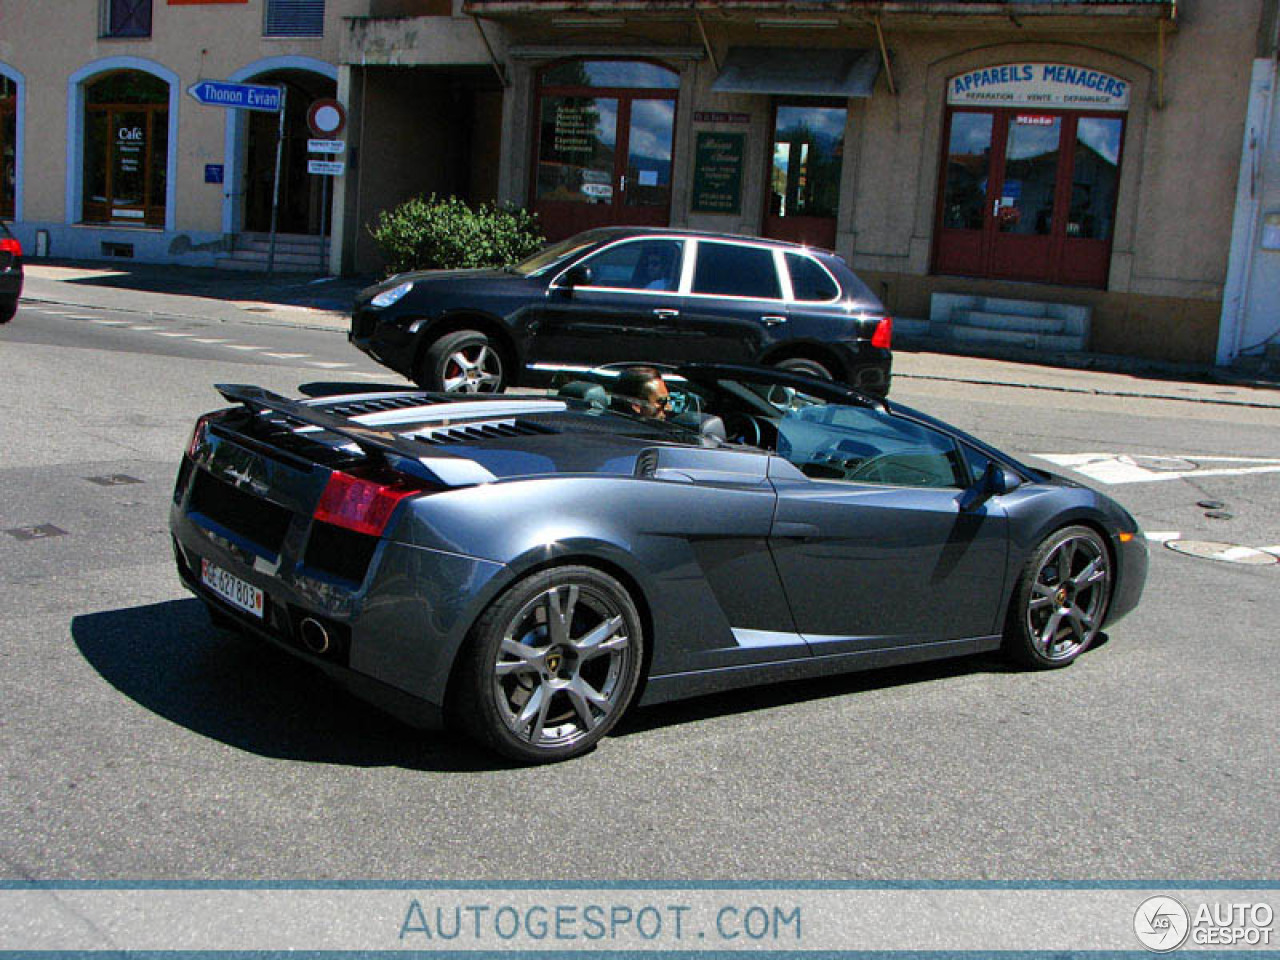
(606, 132)
(805, 163)
(8, 146)
(1028, 195)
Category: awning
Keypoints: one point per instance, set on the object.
(806, 72)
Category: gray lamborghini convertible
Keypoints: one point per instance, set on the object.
(528, 567)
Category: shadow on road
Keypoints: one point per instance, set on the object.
(251, 696)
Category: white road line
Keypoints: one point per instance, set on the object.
(170, 333)
(81, 316)
(1274, 551)
(208, 340)
(327, 366)
(110, 323)
(1113, 468)
(243, 346)
(142, 326)
(1163, 536)
(288, 356)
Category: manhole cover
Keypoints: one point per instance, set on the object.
(1169, 464)
(1226, 552)
(42, 532)
(113, 480)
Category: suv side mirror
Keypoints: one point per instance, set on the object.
(579, 276)
(994, 482)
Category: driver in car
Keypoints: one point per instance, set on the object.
(642, 391)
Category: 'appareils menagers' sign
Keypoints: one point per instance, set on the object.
(1039, 85)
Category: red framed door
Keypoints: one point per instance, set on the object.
(805, 164)
(1028, 195)
(603, 154)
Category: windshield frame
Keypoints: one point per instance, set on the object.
(552, 256)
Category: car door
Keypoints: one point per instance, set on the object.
(620, 303)
(735, 308)
(871, 543)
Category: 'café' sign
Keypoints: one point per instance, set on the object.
(1053, 85)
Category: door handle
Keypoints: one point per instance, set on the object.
(666, 313)
(772, 321)
(793, 530)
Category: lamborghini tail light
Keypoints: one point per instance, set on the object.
(363, 504)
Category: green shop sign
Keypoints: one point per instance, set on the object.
(717, 172)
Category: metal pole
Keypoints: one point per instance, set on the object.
(324, 210)
(275, 185)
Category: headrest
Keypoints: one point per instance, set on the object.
(592, 393)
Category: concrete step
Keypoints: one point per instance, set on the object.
(260, 266)
(910, 327)
(301, 259)
(286, 247)
(989, 336)
(1017, 322)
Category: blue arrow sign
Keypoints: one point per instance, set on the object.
(240, 96)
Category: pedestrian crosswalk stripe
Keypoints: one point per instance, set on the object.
(242, 346)
(289, 356)
(327, 366)
(208, 340)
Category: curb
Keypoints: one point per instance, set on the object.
(250, 318)
(1218, 401)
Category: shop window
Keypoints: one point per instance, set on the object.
(8, 145)
(804, 173)
(126, 18)
(126, 149)
(294, 18)
(606, 138)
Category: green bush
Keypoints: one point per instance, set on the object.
(429, 233)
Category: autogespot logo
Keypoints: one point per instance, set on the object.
(1161, 924)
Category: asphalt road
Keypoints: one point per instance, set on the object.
(136, 742)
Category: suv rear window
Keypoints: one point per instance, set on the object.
(731, 270)
(809, 281)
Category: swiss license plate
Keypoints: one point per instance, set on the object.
(235, 591)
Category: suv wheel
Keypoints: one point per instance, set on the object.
(465, 361)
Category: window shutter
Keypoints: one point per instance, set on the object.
(294, 18)
(129, 18)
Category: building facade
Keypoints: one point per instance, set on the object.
(967, 158)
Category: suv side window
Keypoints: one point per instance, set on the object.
(728, 269)
(637, 265)
(809, 281)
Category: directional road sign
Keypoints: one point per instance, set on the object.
(240, 96)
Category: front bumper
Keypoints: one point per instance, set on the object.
(1132, 562)
(391, 342)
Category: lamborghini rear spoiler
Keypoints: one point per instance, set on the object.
(403, 454)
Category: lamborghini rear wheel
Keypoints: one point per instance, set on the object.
(552, 665)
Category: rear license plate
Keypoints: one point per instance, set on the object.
(235, 591)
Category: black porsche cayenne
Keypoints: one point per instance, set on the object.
(624, 293)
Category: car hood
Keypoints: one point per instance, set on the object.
(443, 280)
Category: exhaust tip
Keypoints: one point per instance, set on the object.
(314, 635)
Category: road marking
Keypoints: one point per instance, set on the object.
(1114, 468)
(81, 316)
(327, 366)
(142, 326)
(1274, 551)
(208, 340)
(288, 356)
(243, 346)
(1163, 536)
(170, 333)
(110, 323)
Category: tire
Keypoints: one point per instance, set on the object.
(1055, 613)
(465, 361)
(806, 366)
(7, 311)
(524, 687)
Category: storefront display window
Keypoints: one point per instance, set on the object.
(804, 173)
(606, 132)
(126, 149)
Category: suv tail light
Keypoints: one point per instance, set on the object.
(883, 335)
(363, 503)
(11, 246)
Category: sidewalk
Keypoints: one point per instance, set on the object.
(296, 300)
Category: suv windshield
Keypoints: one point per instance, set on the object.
(548, 257)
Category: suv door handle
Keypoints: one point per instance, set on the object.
(666, 313)
(772, 321)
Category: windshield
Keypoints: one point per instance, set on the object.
(550, 256)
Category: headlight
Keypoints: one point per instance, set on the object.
(387, 297)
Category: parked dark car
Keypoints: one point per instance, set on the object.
(529, 566)
(629, 294)
(10, 274)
